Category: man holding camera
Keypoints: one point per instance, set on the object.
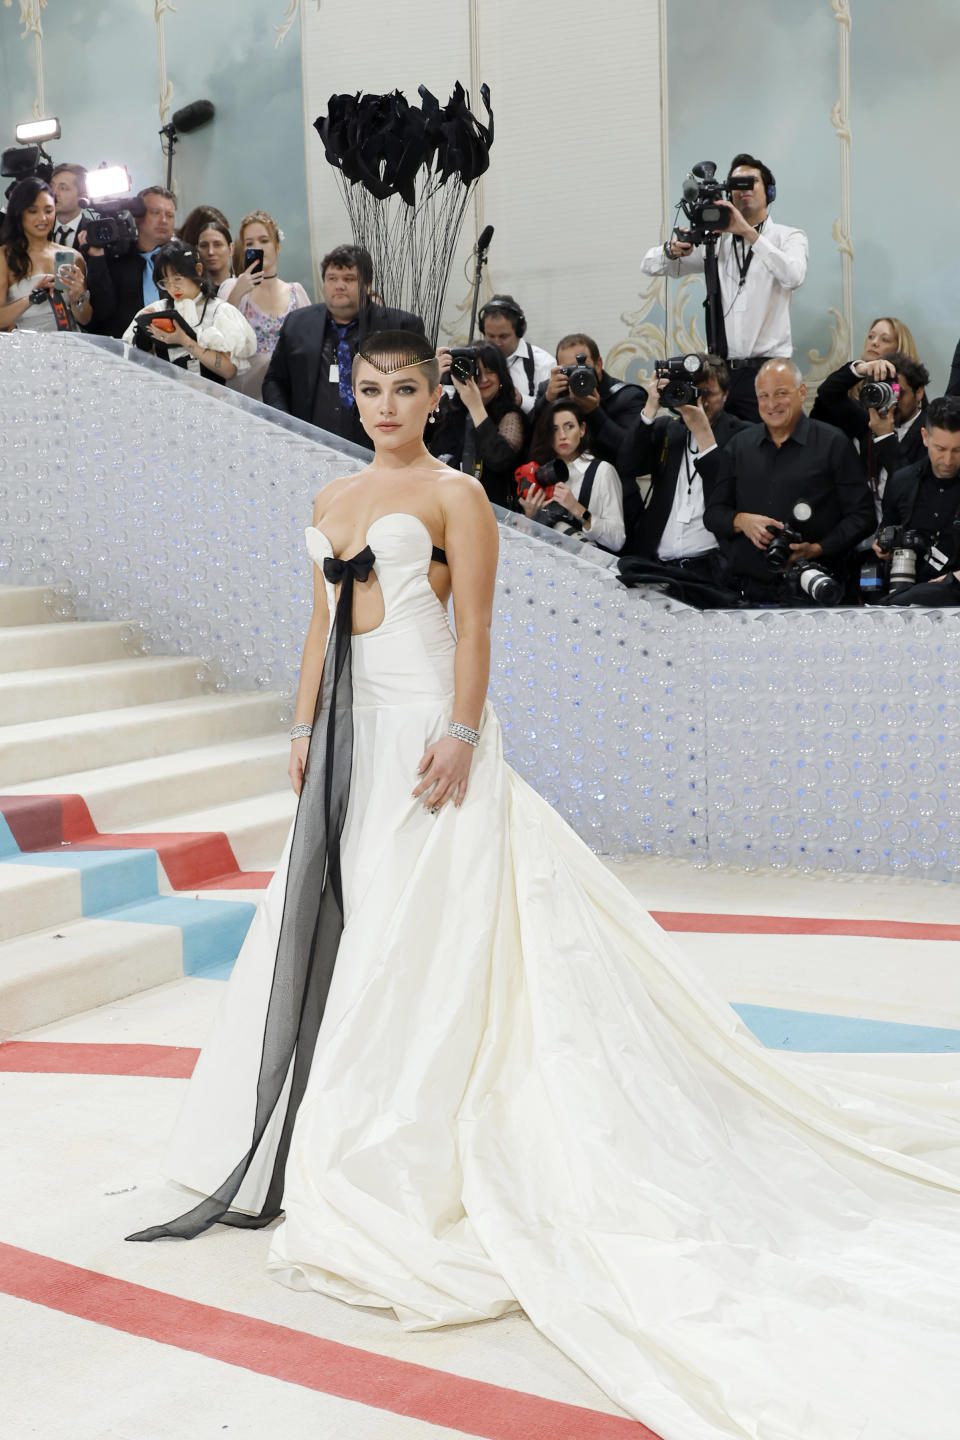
(921, 513)
(503, 323)
(121, 285)
(310, 371)
(789, 474)
(759, 265)
(884, 422)
(664, 446)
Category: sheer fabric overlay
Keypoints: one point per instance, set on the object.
(310, 929)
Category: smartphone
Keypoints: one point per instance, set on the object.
(250, 255)
(60, 258)
(163, 322)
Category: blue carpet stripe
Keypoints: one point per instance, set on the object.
(809, 1032)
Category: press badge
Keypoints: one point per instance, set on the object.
(334, 376)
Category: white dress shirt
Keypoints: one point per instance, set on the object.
(70, 227)
(606, 502)
(518, 366)
(685, 534)
(756, 313)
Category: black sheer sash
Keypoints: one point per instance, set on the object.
(310, 928)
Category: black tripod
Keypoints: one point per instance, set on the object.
(713, 304)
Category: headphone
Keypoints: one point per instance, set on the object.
(766, 174)
(505, 305)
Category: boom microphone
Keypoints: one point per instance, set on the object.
(486, 235)
(192, 116)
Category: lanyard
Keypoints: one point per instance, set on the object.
(743, 255)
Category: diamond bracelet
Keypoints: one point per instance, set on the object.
(463, 732)
(300, 732)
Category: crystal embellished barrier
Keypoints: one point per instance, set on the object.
(812, 739)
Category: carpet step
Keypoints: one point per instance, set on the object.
(29, 605)
(256, 829)
(107, 879)
(77, 743)
(65, 642)
(48, 976)
(143, 791)
(69, 690)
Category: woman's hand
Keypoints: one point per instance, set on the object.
(74, 281)
(469, 392)
(298, 762)
(244, 283)
(176, 336)
(569, 501)
(445, 769)
(533, 501)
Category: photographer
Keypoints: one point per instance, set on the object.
(788, 472)
(480, 429)
(662, 445)
(921, 507)
(189, 325)
(37, 292)
(120, 285)
(588, 502)
(503, 323)
(886, 434)
(760, 264)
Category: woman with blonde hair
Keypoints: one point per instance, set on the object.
(257, 290)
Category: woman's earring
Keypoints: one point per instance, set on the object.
(432, 418)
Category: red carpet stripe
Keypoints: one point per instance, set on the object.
(692, 922)
(193, 860)
(49, 1057)
(397, 1386)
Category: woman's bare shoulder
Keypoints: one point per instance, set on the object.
(334, 491)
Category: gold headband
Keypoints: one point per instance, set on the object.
(388, 369)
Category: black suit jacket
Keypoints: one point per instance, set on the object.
(657, 450)
(293, 374)
(116, 291)
(835, 406)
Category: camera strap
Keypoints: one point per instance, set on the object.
(61, 312)
(529, 366)
(743, 255)
(586, 489)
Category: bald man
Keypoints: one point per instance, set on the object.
(771, 475)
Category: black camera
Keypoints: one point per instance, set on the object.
(23, 162)
(779, 553)
(679, 372)
(803, 577)
(464, 363)
(581, 378)
(879, 395)
(904, 547)
(112, 227)
(702, 194)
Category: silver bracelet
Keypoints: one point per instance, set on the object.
(301, 731)
(464, 733)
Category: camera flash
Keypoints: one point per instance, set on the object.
(34, 131)
(108, 181)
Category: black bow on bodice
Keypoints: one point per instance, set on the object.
(358, 566)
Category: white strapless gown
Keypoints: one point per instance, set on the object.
(521, 1095)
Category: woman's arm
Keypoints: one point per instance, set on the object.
(471, 542)
(10, 310)
(311, 669)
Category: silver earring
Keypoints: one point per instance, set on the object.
(432, 418)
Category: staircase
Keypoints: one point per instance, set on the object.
(140, 817)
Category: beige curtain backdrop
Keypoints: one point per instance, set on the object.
(575, 187)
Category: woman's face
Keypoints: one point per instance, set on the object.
(257, 236)
(393, 409)
(568, 433)
(215, 253)
(488, 384)
(38, 218)
(881, 340)
(178, 286)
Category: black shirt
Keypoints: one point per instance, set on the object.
(935, 506)
(816, 464)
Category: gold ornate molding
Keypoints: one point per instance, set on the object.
(31, 12)
(646, 338)
(160, 8)
(840, 119)
(289, 20)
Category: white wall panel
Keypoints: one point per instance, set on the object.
(574, 187)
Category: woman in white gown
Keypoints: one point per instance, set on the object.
(508, 1090)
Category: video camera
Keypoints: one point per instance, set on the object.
(112, 226)
(23, 162)
(678, 371)
(802, 577)
(702, 192)
(581, 377)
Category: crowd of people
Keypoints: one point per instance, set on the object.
(725, 486)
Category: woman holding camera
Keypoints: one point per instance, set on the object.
(480, 429)
(31, 280)
(589, 502)
(190, 325)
